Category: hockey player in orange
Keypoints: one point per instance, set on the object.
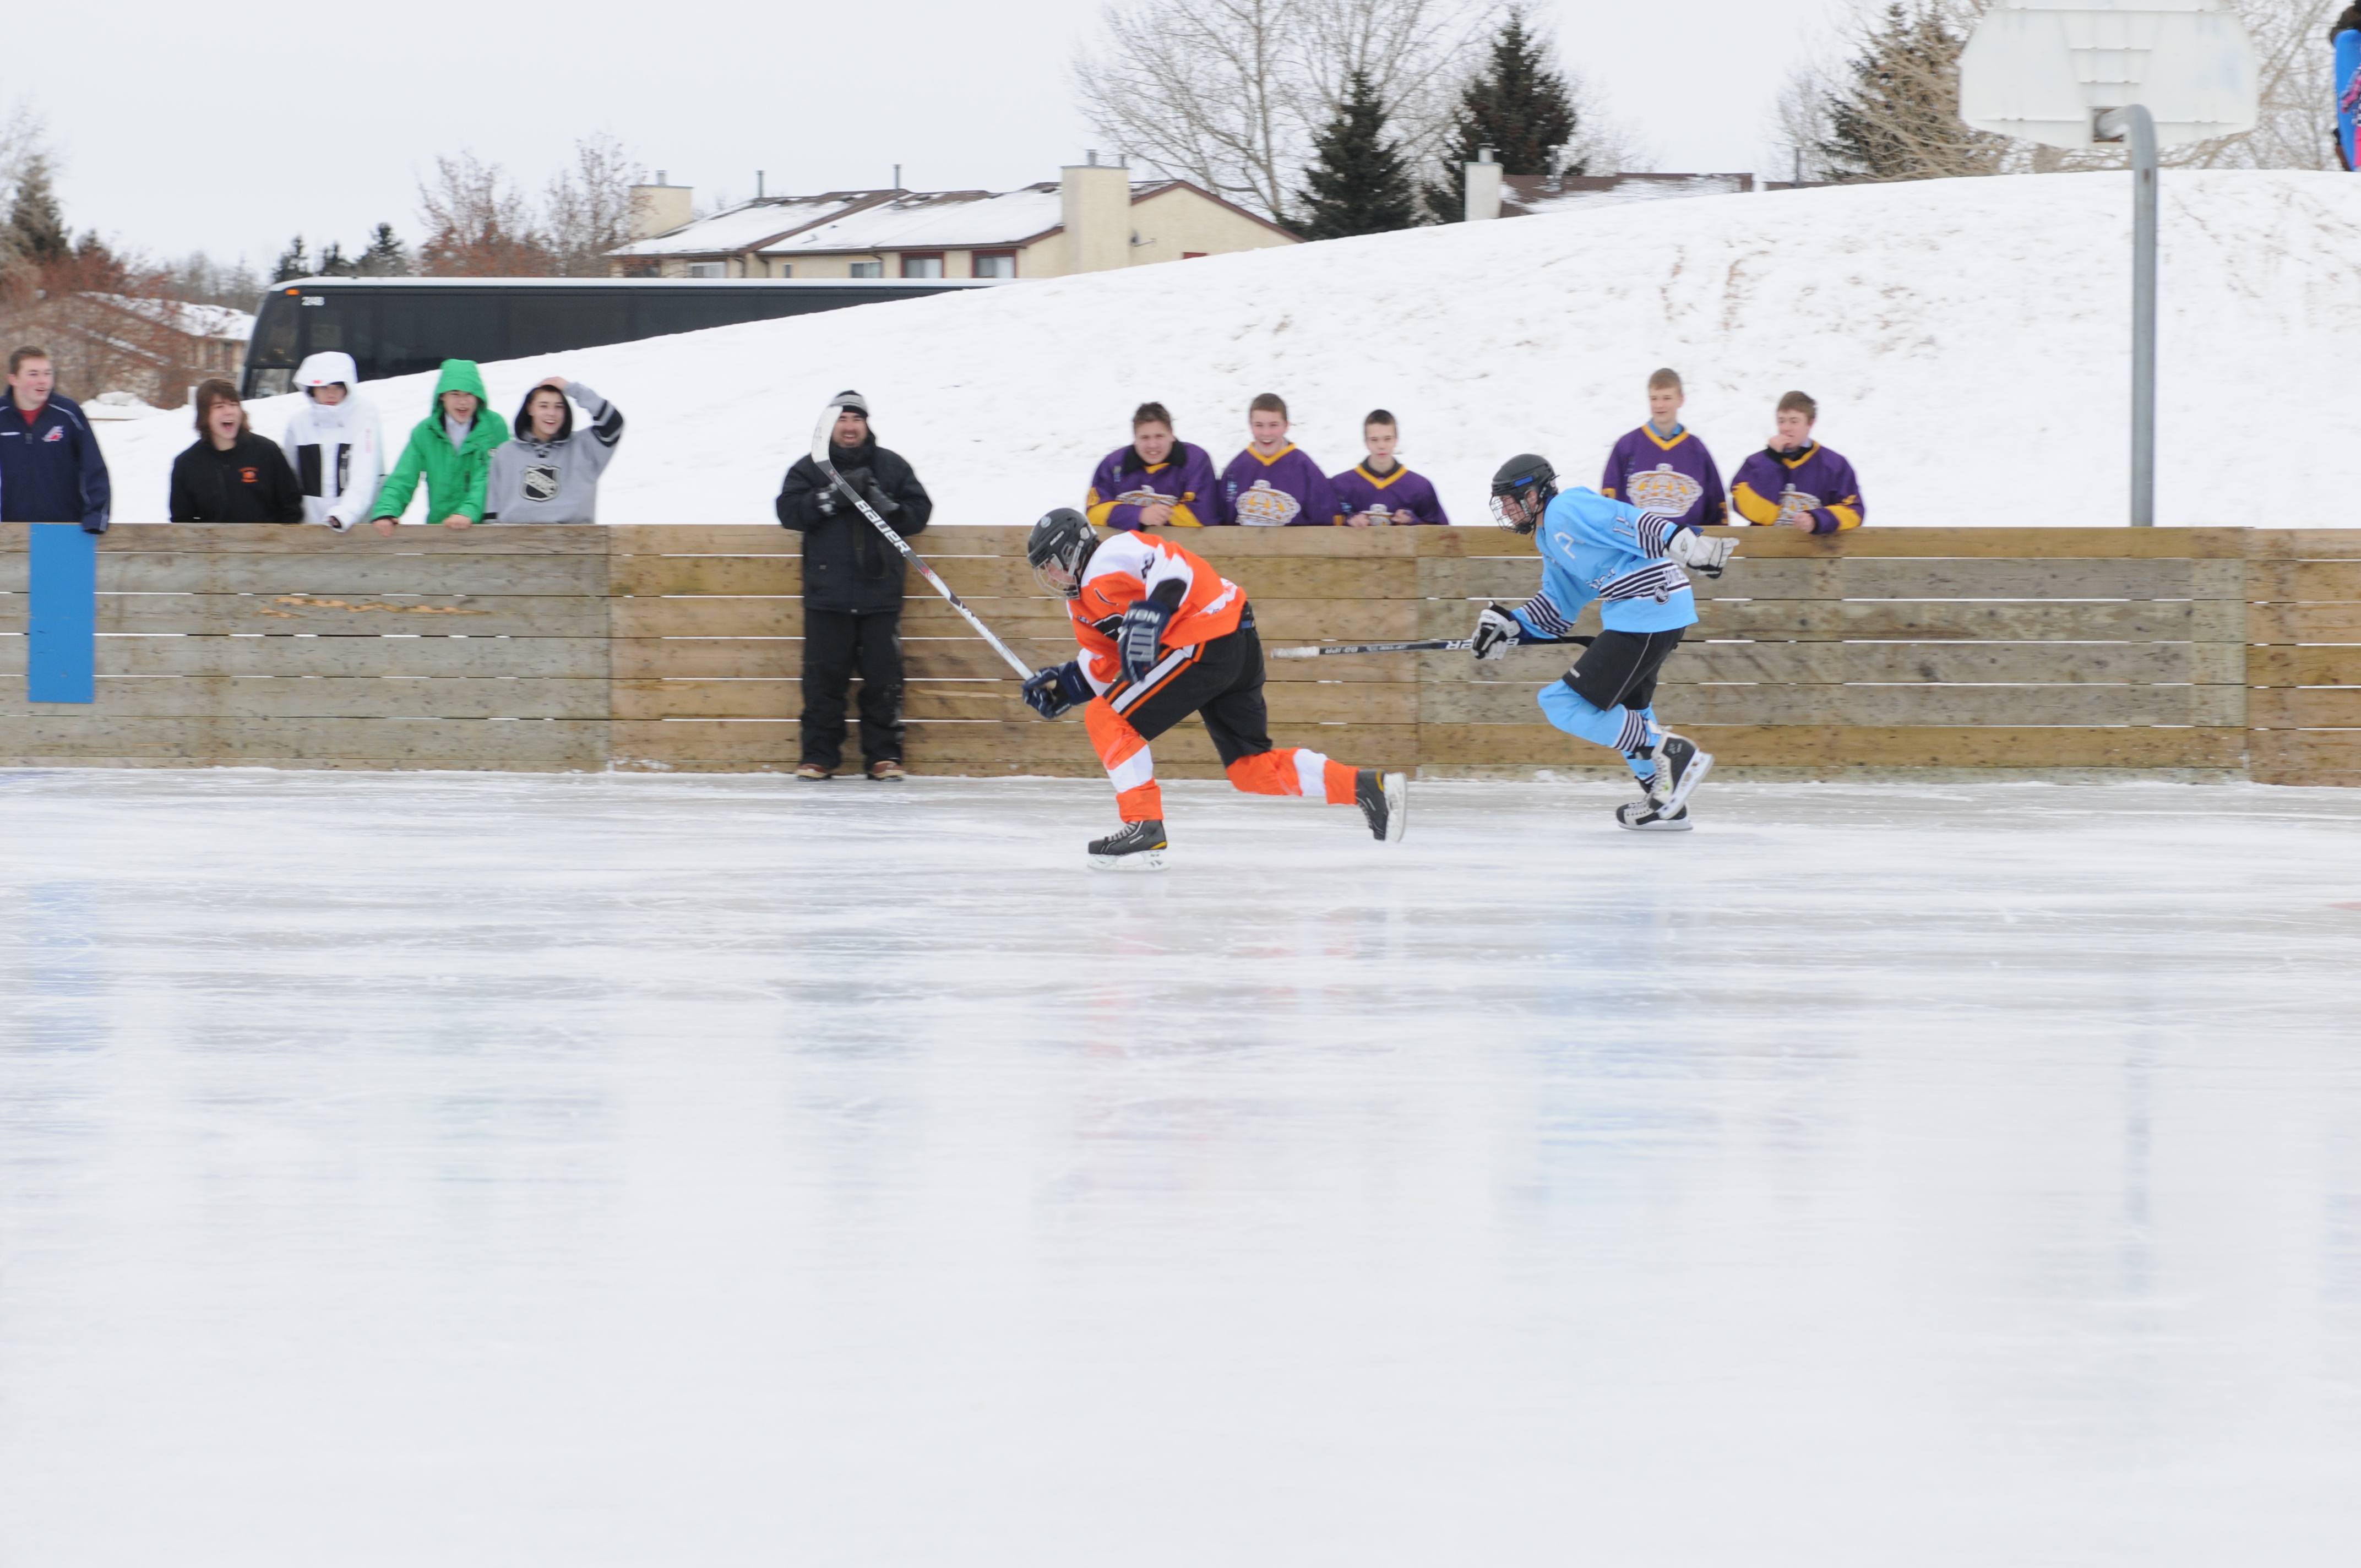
(1164, 635)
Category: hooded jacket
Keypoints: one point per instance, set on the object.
(454, 475)
(249, 483)
(50, 468)
(846, 565)
(337, 453)
(554, 481)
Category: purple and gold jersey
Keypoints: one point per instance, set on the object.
(1123, 483)
(1357, 490)
(1774, 486)
(1674, 478)
(1285, 491)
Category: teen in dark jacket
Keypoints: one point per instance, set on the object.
(232, 474)
(50, 468)
(852, 592)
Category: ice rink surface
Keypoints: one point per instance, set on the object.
(546, 1171)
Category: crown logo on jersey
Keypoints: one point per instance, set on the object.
(1793, 503)
(1142, 497)
(1263, 506)
(1663, 488)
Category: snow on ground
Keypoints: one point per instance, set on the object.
(497, 1170)
(1968, 340)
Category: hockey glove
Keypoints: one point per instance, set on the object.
(824, 500)
(881, 503)
(1056, 689)
(1497, 631)
(1139, 642)
(1693, 550)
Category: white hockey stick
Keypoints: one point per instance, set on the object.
(823, 437)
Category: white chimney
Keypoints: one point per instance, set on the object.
(1095, 201)
(660, 208)
(1483, 186)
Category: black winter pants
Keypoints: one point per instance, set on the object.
(837, 645)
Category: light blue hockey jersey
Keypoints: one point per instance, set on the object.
(1594, 548)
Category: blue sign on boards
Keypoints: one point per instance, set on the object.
(62, 664)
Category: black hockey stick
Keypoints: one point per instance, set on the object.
(1433, 645)
(823, 435)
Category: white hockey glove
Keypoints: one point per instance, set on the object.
(1497, 631)
(1693, 549)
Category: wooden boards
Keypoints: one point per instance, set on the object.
(2189, 651)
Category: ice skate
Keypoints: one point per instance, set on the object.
(1680, 768)
(1642, 817)
(1138, 847)
(1384, 800)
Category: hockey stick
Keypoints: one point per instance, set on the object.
(823, 435)
(1434, 645)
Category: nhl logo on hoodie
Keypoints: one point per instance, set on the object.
(540, 482)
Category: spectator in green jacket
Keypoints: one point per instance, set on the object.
(452, 447)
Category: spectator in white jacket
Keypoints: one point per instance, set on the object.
(333, 442)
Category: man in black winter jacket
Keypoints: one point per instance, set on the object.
(852, 593)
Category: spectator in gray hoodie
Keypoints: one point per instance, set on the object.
(549, 474)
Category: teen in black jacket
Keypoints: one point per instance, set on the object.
(852, 593)
(232, 474)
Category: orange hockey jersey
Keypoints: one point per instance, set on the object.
(1126, 569)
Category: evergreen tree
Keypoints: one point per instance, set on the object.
(293, 262)
(386, 257)
(1358, 181)
(1520, 107)
(35, 230)
(1897, 113)
(333, 263)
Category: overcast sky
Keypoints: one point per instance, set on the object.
(229, 126)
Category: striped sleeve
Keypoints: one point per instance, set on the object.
(1541, 616)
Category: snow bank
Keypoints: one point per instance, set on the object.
(1968, 340)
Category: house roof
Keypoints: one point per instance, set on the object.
(189, 320)
(861, 222)
(1532, 195)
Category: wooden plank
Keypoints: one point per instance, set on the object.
(1836, 747)
(2329, 666)
(2304, 708)
(2281, 623)
(473, 615)
(1278, 619)
(1363, 703)
(999, 578)
(578, 657)
(2303, 544)
(2303, 582)
(2216, 706)
(253, 539)
(352, 575)
(2005, 579)
(1956, 543)
(702, 539)
(2311, 756)
(1268, 545)
(264, 696)
(455, 742)
(733, 575)
(1016, 745)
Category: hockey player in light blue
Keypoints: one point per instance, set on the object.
(1630, 560)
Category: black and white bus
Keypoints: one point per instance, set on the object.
(396, 326)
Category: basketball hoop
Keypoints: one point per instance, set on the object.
(2153, 73)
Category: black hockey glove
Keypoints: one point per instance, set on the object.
(1056, 689)
(885, 505)
(824, 500)
(1140, 642)
(1497, 631)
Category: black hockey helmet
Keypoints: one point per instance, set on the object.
(1061, 539)
(1521, 488)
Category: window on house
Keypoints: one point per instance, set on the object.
(995, 263)
(927, 266)
(783, 269)
(867, 269)
(708, 270)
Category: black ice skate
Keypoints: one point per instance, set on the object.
(1384, 800)
(1680, 768)
(1138, 847)
(1642, 817)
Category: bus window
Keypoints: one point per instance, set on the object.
(551, 322)
(417, 333)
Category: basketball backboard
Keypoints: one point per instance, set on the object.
(2046, 70)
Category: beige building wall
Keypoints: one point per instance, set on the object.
(1174, 222)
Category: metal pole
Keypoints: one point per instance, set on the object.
(2138, 126)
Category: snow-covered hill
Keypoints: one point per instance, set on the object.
(1968, 341)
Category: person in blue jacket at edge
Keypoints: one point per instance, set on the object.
(50, 468)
